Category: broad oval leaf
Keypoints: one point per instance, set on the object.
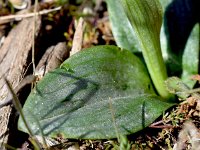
(96, 94)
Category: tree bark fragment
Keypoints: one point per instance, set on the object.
(13, 59)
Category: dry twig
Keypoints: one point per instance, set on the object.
(5, 19)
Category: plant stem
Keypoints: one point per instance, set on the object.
(145, 17)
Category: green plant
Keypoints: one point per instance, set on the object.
(74, 100)
(147, 24)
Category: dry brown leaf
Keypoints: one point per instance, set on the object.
(78, 37)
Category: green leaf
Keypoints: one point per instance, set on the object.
(124, 34)
(176, 86)
(190, 61)
(99, 93)
(121, 27)
(163, 34)
(145, 17)
(179, 20)
(171, 58)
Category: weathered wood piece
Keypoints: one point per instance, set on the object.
(13, 58)
(26, 80)
(52, 58)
